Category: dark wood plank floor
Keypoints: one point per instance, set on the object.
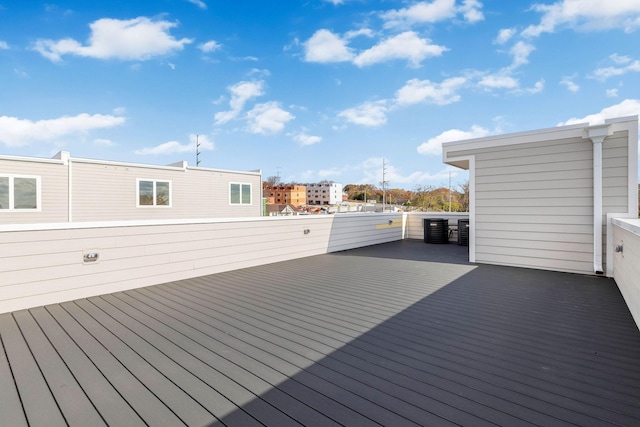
(398, 334)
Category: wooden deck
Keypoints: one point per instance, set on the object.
(398, 334)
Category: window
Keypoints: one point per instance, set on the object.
(19, 192)
(154, 193)
(239, 194)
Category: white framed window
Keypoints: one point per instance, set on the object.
(239, 193)
(20, 193)
(153, 192)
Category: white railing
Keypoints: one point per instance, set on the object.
(49, 263)
(626, 262)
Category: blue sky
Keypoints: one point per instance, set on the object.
(309, 90)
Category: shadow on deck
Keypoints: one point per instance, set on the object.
(397, 334)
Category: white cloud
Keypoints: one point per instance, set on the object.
(335, 2)
(267, 118)
(520, 52)
(471, 10)
(4, 45)
(370, 114)
(210, 46)
(325, 46)
(537, 87)
(201, 4)
(15, 132)
(498, 81)
(504, 35)
(620, 59)
(420, 13)
(612, 93)
(569, 83)
(586, 15)
(136, 39)
(304, 139)
(407, 45)
(356, 33)
(240, 93)
(416, 91)
(434, 145)
(606, 72)
(173, 147)
(628, 107)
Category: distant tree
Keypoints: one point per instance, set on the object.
(464, 197)
(272, 181)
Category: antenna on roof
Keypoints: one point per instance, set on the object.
(197, 150)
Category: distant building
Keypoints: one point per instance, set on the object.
(295, 195)
(281, 210)
(324, 193)
(68, 189)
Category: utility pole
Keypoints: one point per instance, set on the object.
(197, 150)
(384, 185)
(449, 190)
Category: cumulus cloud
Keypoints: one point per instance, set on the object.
(210, 46)
(586, 15)
(433, 146)
(15, 132)
(504, 35)
(471, 10)
(426, 12)
(628, 107)
(173, 147)
(626, 65)
(4, 45)
(416, 91)
(369, 114)
(241, 92)
(325, 46)
(407, 45)
(570, 84)
(612, 93)
(304, 139)
(136, 39)
(267, 118)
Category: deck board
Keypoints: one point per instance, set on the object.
(396, 334)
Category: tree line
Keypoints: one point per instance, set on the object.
(426, 198)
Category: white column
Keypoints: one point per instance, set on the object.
(597, 135)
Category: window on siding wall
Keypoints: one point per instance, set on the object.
(19, 192)
(154, 193)
(239, 194)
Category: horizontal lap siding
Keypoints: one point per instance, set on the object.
(42, 267)
(53, 181)
(104, 192)
(534, 205)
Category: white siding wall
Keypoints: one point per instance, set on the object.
(534, 205)
(107, 192)
(627, 263)
(53, 180)
(45, 265)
